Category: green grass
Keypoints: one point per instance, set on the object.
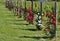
(12, 27)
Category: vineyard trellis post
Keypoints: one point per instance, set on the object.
(56, 16)
(32, 3)
(25, 10)
(15, 7)
(54, 31)
(20, 8)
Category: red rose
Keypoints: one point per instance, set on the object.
(54, 22)
(44, 30)
(48, 22)
(30, 10)
(48, 15)
(48, 30)
(31, 18)
(54, 18)
(20, 9)
(54, 12)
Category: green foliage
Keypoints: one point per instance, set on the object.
(59, 19)
(58, 0)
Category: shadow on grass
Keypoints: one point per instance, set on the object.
(27, 29)
(35, 37)
(20, 24)
(16, 20)
(30, 29)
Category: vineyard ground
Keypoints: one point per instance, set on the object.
(13, 28)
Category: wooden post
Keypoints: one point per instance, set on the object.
(20, 3)
(56, 16)
(32, 4)
(25, 11)
(41, 6)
